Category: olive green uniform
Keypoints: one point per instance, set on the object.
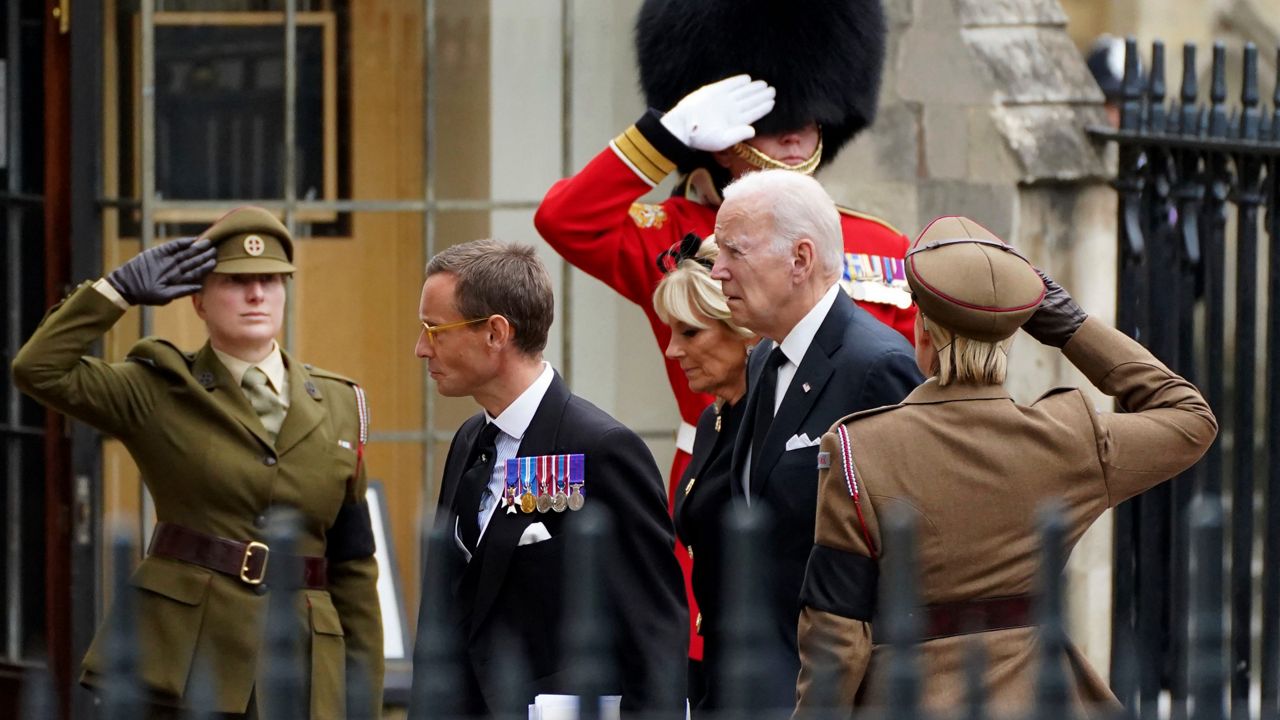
(211, 466)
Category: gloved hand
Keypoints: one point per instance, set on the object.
(1058, 316)
(164, 272)
(719, 115)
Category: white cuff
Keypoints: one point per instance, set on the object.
(111, 293)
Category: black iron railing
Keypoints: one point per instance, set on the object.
(1198, 209)
(437, 669)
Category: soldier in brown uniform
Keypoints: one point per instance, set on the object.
(220, 437)
(973, 467)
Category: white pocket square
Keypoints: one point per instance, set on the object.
(535, 533)
(801, 441)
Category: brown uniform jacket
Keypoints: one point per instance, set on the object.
(974, 467)
(210, 466)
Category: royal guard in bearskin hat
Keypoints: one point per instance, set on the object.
(732, 86)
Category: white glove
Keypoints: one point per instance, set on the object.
(719, 115)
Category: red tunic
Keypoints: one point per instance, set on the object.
(593, 220)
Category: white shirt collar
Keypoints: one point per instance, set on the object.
(797, 342)
(514, 421)
(272, 365)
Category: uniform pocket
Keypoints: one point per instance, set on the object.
(169, 607)
(328, 658)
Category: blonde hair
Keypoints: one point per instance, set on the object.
(965, 360)
(688, 293)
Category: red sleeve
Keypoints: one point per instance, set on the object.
(594, 222)
(589, 220)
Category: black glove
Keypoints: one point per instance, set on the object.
(1058, 316)
(164, 272)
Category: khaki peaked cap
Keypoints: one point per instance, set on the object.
(251, 240)
(971, 282)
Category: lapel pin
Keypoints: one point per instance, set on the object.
(806, 387)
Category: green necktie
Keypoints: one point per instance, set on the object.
(264, 400)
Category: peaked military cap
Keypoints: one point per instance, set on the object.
(251, 240)
(971, 282)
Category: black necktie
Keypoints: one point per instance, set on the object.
(474, 481)
(765, 398)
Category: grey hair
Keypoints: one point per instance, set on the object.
(799, 207)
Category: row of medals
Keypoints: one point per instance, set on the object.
(559, 502)
(878, 292)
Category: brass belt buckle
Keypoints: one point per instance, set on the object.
(244, 563)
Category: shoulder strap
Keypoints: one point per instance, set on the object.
(362, 411)
(851, 479)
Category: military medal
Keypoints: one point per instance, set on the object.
(544, 489)
(576, 483)
(510, 491)
(560, 502)
(528, 503)
(898, 283)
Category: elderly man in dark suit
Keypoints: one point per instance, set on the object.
(514, 476)
(823, 357)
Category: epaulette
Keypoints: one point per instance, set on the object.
(362, 409)
(864, 414)
(870, 218)
(328, 375)
(147, 349)
(1054, 391)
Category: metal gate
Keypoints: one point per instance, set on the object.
(1197, 224)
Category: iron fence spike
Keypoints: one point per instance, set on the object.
(283, 679)
(1052, 688)
(898, 614)
(437, 651)
(121, 693)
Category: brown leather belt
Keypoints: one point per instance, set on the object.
(975, 616)
(245, 561)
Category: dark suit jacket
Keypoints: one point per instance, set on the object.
(854, 363)
(511, 597)
(702, 499)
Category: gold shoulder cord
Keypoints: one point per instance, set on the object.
(760, 161)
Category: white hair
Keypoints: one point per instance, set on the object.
(799, 208)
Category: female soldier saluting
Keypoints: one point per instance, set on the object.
(221, 436)
(973, 467)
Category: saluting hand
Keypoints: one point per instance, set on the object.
(1057, 318)
(165, 272)
(719, 115)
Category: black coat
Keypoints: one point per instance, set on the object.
(511, 597)
(854, 363)
(702, 499)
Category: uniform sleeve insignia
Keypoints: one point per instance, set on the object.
(648, 216)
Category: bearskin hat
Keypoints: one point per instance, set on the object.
(825, 57)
